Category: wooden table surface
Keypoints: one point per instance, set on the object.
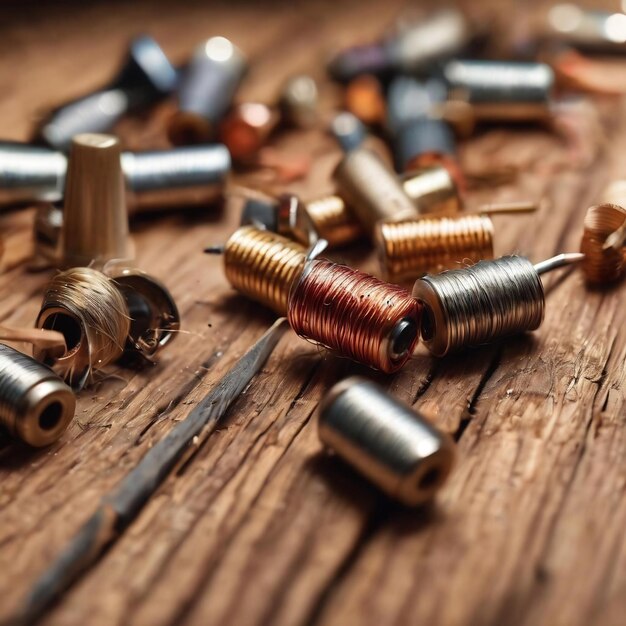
(261, 527)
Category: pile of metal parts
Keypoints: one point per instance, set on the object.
(422, 88)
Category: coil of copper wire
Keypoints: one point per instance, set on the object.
(412, 248)
(477, 304)
(355, 315)
(604, 243)
(263, 265)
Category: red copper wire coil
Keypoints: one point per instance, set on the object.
(600, 265)
(355, 315)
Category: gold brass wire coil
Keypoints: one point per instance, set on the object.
(333, 221)
(411, 248)
(263, 265)
(90, 311)
(602, 263)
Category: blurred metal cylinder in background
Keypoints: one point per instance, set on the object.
(415, 48)
(502, 90)
(371, 190)
(146, 77)
(395, 447)
(206, 91)
(600, 31)
(185, 176)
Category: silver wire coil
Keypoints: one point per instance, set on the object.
(35, 404)
(477, 304)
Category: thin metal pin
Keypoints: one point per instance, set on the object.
(524, 206)
(123, 504)
(560, 260)
(218, 249)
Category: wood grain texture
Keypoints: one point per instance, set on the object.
(261, 527)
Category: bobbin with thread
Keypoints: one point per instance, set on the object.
(409, 249)
(36, 406)
(355, 315)
(396, 447)
(604, 243)
(102, 317)
(478, 304)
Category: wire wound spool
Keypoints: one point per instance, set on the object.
(333, 221)
(355, 315)
(477, 304)
(412, 248)
(263, 266)
(391, 444)
(89, 310)
(602, 265)
(35, 405)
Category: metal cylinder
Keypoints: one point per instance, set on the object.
(298, 101)
(185, 176)
(502, 90)
(431, 189)
(145, 77)
(348, 130)
(206, 91)
(411, 248)
(596, 31)
(95, 217)
(30, 174)
(391, 444)
(247, 128)
(371, 189)
(36, 406)
(415, 48)
(423, 141)
(417, 136)
(478, 304)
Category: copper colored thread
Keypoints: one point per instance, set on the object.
(412, 248)
(263, 266)
(602, 264)
(90, 311)
(353, 314)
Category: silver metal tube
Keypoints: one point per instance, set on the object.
(391, 444)
(185, 176)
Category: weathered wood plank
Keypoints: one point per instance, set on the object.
(260, 527)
